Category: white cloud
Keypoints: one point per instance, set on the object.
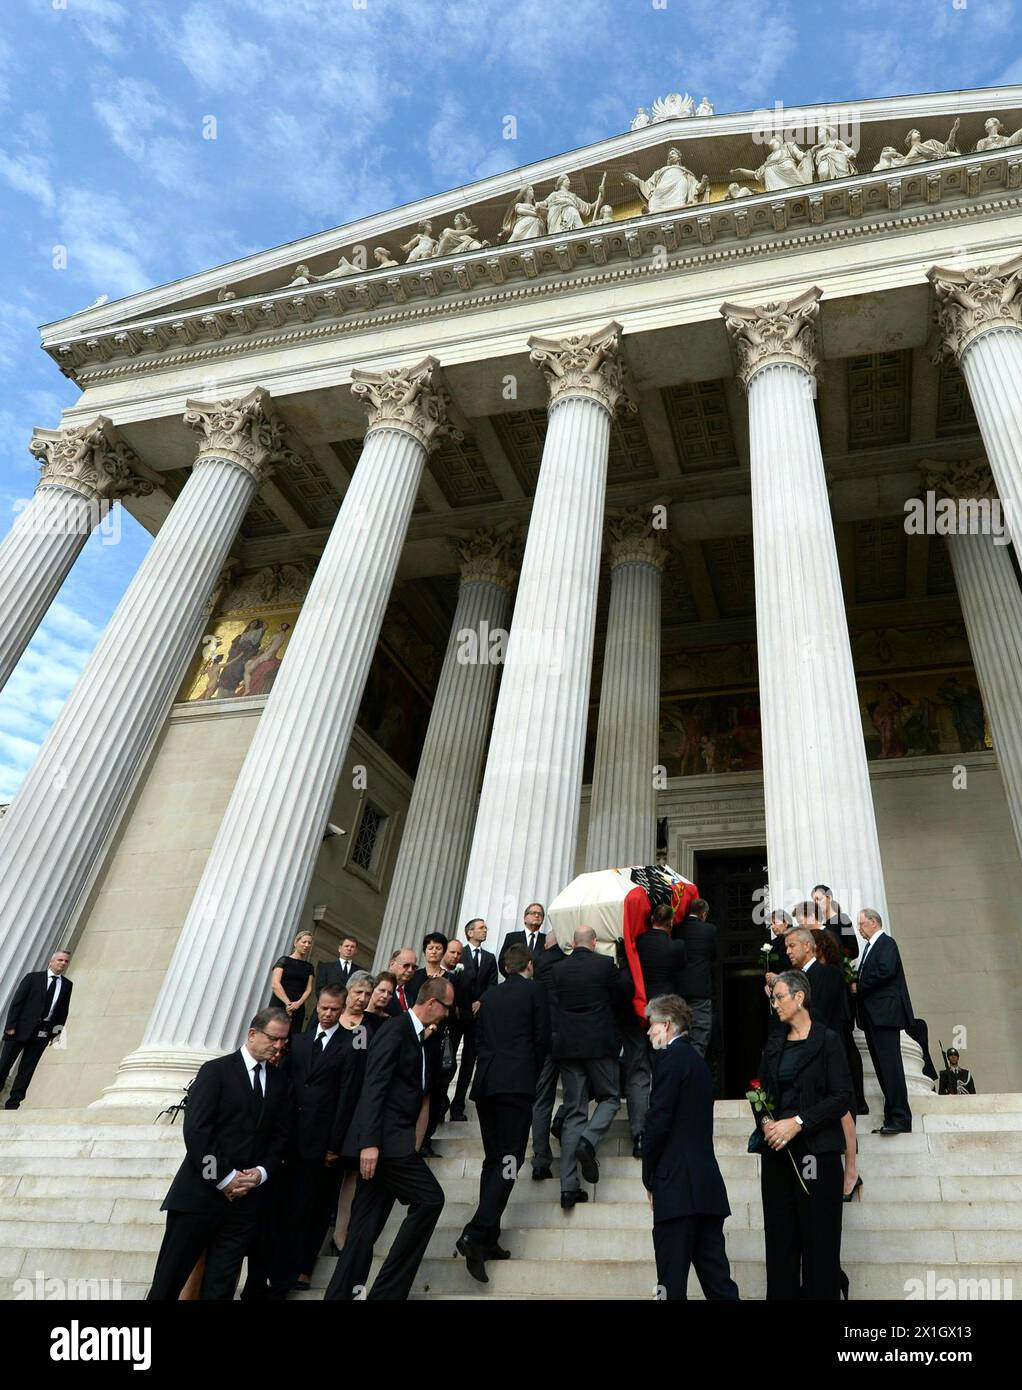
(219, 58)
(29, 174)
(99, 21)
(108, 245)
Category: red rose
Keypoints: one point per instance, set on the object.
(755, 1084)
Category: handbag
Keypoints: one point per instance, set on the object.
(447, 1054)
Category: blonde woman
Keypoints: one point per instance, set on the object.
(291, 981)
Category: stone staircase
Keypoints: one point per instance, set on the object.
(80, 1199)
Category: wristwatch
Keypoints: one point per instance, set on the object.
(799, 1121)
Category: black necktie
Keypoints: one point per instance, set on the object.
(476, 955)
(532, 941)
(257, 1087)
(51, 991)
(319, 1038)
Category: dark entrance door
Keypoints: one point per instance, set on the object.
(732, 883)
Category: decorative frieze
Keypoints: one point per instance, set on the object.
(92, 460)
(966, 478)
(245, 431)
(971, 302)
(632, 540)
(779, 332)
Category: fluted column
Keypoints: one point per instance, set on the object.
(524, 842)
(85, 468)
(254, 885)
(979, 318)
(72, 795)
(820, 822)
(992, 606)
(426, 888)
(622, 817)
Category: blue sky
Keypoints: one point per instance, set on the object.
(327, 110)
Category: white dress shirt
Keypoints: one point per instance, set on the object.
(869, 946)
(56, 993)
(323, 1035)
(420, 1028)
(250, 1063)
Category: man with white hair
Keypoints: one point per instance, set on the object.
(586, 990)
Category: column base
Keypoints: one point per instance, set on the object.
(153, 1078)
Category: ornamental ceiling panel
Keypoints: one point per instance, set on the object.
(261, 520)
(730, 564)
(879, 404)
(312, 492)
(349, 451)
(462, 474)
(881, 548)
(955, 415)
(522, 432)
(700, 426)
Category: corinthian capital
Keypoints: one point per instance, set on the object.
(92, 460)
(964, 478)
(969, 302)
(632, 539)
(767, 334)
(406, 398)
(245, 430)
(485, 555)
(584, 364)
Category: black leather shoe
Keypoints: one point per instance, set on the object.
(474, 1258)
(586, 1155)
(12, 1104)
(458, 1118)
(557, 1127)
(538, 1174)
(862, 1110)
(891, 1129)
(496, 1252)
(428, 1151)
(637, 1147)
(572, 1199)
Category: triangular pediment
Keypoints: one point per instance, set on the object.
(710, 146)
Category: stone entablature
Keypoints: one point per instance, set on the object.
(682, 240)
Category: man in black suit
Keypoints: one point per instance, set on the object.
(478, 976)
(339, 971)
(662, 960)
(587, 990)
(679, 1169)
(531, 937)
(696, 985)
(236, 1128)
(318, 1064)
(382, 1136)
(402, 966)
(513, 1039)
(36, 1018)
(826, 981)
(549, 1075)
(884, 1009)
(955, 1080)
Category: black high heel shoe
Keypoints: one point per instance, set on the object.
(856, 1192)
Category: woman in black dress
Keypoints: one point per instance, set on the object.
(361, 1026)
(805, 1076)
(439, 1047)
(291, 981)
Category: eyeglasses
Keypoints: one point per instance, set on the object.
(277, 1042)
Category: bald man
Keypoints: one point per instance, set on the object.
(586, 990)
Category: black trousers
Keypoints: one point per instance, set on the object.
(30, 1051)
(885, 1049)
(406, 1180)
(226, 1238)
(467, 1064)
(684, 1241)
(504, 1123)
(854, 1064)
(802, 1229)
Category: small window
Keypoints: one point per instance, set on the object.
(363, 849)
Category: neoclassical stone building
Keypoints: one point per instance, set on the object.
(666, 446)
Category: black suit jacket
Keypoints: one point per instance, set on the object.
(520, 938)
(828, 995)
(663, 962)
(949, 1080)
(548, 958)
(25, 1014)
(678, 1164)
(331, 972)
(224, 1130)
(388, 1107)
(823, 1088)
(476, 982)
(586, 990)
(512, 1039)
(700, 940)
(325, 1088)
(882, 992)
(841, 929)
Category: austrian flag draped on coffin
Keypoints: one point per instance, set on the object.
(617, 904)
